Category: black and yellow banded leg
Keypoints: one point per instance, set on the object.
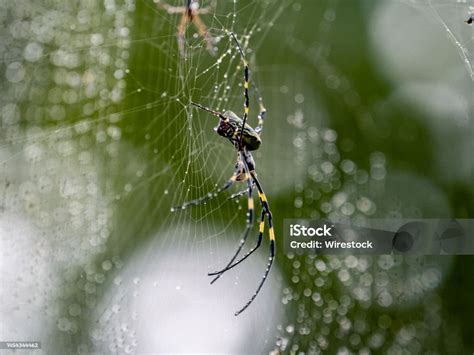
(265, 212)
(246, 86)
(264, 278)
(248, 228)
(266, 209)
(267, 270)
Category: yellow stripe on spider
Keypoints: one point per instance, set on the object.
(272, 233)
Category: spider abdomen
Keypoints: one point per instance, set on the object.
(230, 128)
(250, 139)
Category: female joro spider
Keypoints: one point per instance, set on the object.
(245, 139)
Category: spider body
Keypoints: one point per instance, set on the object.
(230, 127)
(243, 164)
(245, 139)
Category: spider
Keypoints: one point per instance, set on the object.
(245, 139)
(470, 19)
(190, 13)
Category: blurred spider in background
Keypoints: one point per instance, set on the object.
(245, 139)
(190, 14)
(470, 19)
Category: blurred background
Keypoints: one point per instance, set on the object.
(370, 115)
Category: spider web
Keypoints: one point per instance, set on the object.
(99, 141)
(446, 15)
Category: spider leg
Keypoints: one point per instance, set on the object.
(205, 10)
(248, 228)
(211, 194)
(246, 87)
(265, 212)
(272, 243)
(238, 194)
(170, 9)
(201, 27)
(250, 252)
(181, 31)
(263, 110)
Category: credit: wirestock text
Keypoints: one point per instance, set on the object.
(331, 244)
